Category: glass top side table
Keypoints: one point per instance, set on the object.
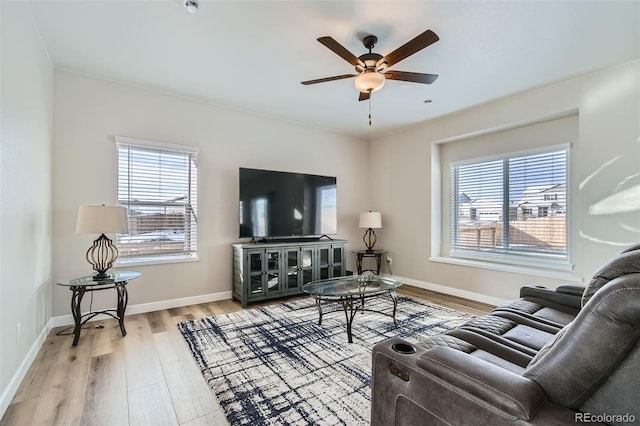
(79, 286)
(377, 254)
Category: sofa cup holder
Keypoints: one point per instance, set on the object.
(403, 348)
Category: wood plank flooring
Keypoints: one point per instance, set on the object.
(147, 378)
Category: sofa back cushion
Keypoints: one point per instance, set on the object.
(575, 363)
(633, 247)
(626, 263)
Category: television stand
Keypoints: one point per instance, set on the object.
(272, 269)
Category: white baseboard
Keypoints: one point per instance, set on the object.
(483, 298)
(19, 375)
(153, 306)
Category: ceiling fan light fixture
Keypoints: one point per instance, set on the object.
(369, 81)
(191, 6)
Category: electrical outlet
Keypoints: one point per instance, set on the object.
(389, 260)
(18, 332)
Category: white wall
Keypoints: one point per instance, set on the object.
(604, 161)
(25, 194)
(90, 112)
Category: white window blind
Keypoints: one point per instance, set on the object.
(514, 205)
(158, 186)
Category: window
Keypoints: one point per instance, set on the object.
(259, 215)
(514, 205)
(157, 183)
(327, 200)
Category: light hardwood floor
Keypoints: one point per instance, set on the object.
(147, 378)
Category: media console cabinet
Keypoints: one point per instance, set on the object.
(264, 271)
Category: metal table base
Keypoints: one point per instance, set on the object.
(351, 304)
(80, 320)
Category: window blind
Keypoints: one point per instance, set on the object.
(513, 205)
(158, 186)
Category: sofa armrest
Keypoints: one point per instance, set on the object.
(574, 290)
(442, 386)
(566, 295)
(510, 392)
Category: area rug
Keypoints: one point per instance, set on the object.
(275, 365)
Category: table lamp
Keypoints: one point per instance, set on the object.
(370, 220)
(102, 220)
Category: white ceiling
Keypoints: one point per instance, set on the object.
(252, 55)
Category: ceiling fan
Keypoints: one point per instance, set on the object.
(369, 67)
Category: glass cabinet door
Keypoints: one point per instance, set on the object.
(337, 254)
(324, 265)
(255, 272)
(272, 276)
(330, 261)
(293, 269)
(337, 271)
(306, 265)
(336, 261)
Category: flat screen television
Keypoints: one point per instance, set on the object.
(277, 204)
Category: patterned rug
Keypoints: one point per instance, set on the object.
(275, 366)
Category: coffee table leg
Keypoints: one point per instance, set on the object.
(394, 297)
(349, 313)
(319, 305)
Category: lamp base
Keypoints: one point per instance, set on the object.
(101, 256)
(369, 239)
(101, 277)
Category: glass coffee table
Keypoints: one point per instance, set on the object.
(351, 291)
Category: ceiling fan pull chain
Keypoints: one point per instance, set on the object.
(369, 107)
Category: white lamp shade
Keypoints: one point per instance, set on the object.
(371, 220)
(369, 81)
(102, 220)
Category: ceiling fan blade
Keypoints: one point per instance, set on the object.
(364, 96)
(341, 51)
(323, 80)
(418, 43)
(414, 77)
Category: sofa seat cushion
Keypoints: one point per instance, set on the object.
(535, 309)
(492, 352)
(554, 315)
(508, 332)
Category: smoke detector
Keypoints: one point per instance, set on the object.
(191, 6)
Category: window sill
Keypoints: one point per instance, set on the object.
(157, 260)
(516, 269)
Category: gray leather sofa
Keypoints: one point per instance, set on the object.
(564, 356)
